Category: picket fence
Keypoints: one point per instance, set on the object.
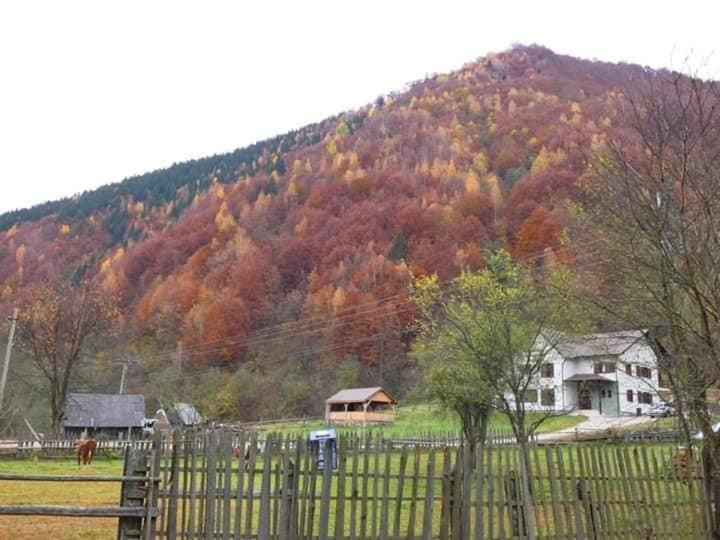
(61, 448)
(208, 488)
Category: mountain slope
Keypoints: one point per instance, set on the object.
(322, 228)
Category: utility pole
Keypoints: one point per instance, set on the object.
(8, 351)
(123, 377)
(179, 359)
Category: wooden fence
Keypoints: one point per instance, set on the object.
(66, 447)
(377, 492)
(138, 510)
(201, 484)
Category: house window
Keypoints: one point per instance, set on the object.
(628, 369)
(630, 396)
(645, 397)
(547, 370)
(604, 367)
(530, 395)
(642, 371)
(547, 397)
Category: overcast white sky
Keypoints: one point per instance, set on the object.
(92, 92)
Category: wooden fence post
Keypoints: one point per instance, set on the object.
(515, 505)
(584, 495)
(132, 494)
(174, 481)
(153, 486)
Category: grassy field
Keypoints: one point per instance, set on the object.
(424, 419)
(57, 493)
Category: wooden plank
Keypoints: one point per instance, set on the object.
(611, 519)
(376, 488)
(192, 514)
(295, 487)
(537, 491)
(479, 487)
(340, 501)
(427, 532)
(491, 492)
(132, 493)
(283, 531)
(240, 482)
(597, 491)
(554, 494)
(252, 458)
(697, 515)
(502, 479)
(365, 486)
(276, 487)
(399, 491)
(171, 525)
(71, 478)
(670, 511)
(456, 506)
(354, 489)
(307, 461)
(76, 511)
(204, 443)
(446, 494)
(385, 506)
(655, 524)
(153, 487)
(324, 525)
(313, 496)
(163, 473)
(227, 450)
(187, 440)
(413, 494)
(465, 502)
(628, 495)
(264, 519)
(573, 492)
(211, 455)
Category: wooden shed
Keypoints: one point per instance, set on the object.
(111, 416)
(360, 405)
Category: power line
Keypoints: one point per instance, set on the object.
(282, 330)
(341, 345)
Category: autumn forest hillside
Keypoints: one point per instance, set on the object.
(254, 282)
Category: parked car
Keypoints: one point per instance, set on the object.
(662, 410)
(699, 435)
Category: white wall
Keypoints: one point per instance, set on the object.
(637, 355)
(566, 393)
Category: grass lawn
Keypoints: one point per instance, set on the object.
(59, 493)
(418, 420)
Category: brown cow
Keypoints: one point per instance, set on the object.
(85, 450)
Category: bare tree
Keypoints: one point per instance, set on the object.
(653, 211)
(59, 326)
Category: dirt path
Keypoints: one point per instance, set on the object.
(595, 424)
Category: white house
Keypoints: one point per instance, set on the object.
(612, 373)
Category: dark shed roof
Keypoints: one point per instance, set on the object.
(104, 410)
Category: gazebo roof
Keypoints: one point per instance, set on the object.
(357, 395)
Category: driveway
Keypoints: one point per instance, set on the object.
(595, 424)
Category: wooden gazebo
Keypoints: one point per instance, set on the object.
(360, 405)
